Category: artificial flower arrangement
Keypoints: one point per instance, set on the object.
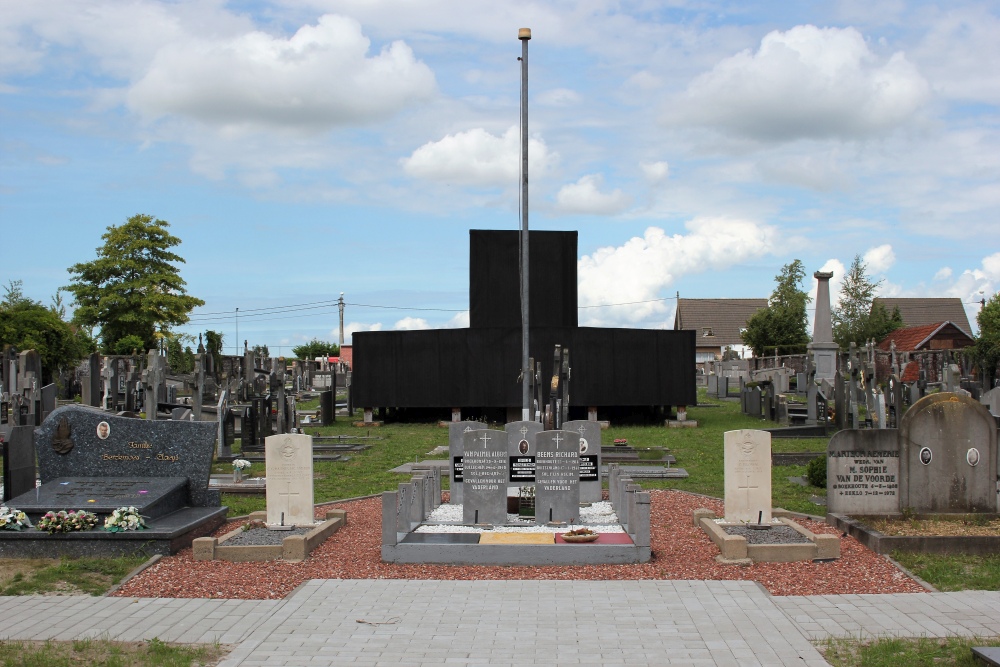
(13, 519)
(241, 464)
(124, 518)
(621, 442)
(65, 522)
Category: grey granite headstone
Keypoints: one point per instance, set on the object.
(521, 449)
(557, 476)
(948, 456)
(18, 462)
(484, 470)
(456, 431)
(862, 472)
(590, 458)
(129, 448)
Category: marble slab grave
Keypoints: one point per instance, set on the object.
(153, 497)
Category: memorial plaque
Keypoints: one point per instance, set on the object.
(521, 448)
(77, 441)
(748, 476)
(484, 469)
(289, 480)
(862, 472)
(455, 444)
(557, 476)
(153, 497)
(590, 458)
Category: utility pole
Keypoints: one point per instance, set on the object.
(340, 305)
(524, 34)
(237, 331)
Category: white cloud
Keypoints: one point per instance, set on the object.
(559, 97)
(476, 157)
(411, 324)
(807, 82)
(655, 172)
(879, 259)
(943, 273)
(585, 197)
(641, 268)
(322, 76)
(460, 321)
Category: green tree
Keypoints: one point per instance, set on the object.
(28, 325)
(180, 359)
(782, 326)
(315, 348)
(133, 287)
(213, 342)
(855, 320)
(987, 347)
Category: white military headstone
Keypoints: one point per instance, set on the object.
(748, 475)
(289, 479)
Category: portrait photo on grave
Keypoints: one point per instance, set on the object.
(103, 430)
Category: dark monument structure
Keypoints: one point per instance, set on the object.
(626, 374)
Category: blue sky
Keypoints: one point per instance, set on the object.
(304, 149)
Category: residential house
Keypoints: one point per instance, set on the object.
(718, 323)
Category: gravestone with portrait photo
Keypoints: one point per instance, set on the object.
(948, 456)
(521, 449)
(91, 460)
(590, 458)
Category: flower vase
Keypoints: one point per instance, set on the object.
(237, 475)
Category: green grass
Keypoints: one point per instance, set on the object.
(93, 576)
(955, 572)
(153, 653)
(892, 652)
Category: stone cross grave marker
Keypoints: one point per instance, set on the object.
(521, 450)
(590, 458)
(557, 476)
(456, 431)
(748, 476)
(289, 479)
(484, 470)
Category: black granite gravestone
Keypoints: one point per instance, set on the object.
(18, 462)
(153, 497)
(77, 441)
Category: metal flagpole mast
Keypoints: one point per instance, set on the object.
(524, 34)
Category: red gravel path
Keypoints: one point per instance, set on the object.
(680, 551)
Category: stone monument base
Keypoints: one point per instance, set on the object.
(166, 535)
(735, 550)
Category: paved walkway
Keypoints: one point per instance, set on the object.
(403, 622)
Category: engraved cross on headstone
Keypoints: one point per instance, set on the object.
(748, 489)
(287, 495)
(523, 431)
(485, 438)
(557, 439)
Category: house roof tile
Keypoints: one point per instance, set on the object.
(721, 318)
(921, 311)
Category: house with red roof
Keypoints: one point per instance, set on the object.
(907, 342)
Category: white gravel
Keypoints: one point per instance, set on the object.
(599, 517)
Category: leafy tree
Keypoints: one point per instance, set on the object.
(213, 343)
(28, 325)
(130, 344)
(987, 347)
(856, 320)
(782, 326)
(180, 359)
(260, 351)
(316, 348)
(133, 288)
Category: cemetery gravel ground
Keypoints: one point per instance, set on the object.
(680, 551)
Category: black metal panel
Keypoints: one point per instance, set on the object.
(494, 279)
(479, 367)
